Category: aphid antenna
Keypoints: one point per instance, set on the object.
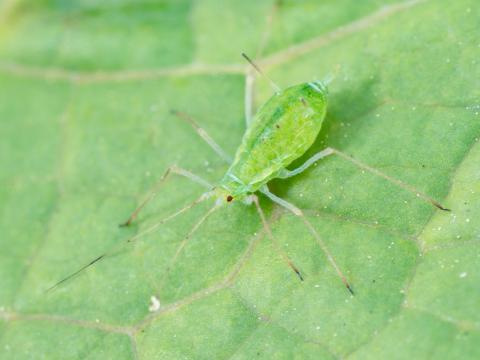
(327, 80)
(133, 239)
(275, 87)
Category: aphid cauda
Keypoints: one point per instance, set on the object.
(281, 131)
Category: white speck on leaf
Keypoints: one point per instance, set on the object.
(154, 304)
(462, 275)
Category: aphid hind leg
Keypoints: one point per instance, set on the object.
(204, 135)
(274, 241)
(295, 210)
(331, 151)
(171, 170)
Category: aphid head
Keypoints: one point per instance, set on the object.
(310, 97)
(224, 196)
(319, 86)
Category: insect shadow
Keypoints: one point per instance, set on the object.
(282, 131)
(365, 102)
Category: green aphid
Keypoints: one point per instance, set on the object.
(282, 130)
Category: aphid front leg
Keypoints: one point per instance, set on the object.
(275, 244)
(171, 170)
(204, 135)
(249, 97)
(295, 210)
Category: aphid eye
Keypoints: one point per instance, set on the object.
(229, 198)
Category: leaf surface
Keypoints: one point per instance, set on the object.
(86, 91)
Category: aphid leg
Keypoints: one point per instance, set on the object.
(330, 151)
(320, 155)
(249, 97)
(131, 240)
(204, 135)
(171, 170)
(189, 236)
(276, 245)
(295, 210)
(393, 180)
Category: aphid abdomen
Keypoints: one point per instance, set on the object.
(281, 131)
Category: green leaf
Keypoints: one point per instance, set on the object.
(86, 90)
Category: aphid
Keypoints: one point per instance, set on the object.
(282, 130)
